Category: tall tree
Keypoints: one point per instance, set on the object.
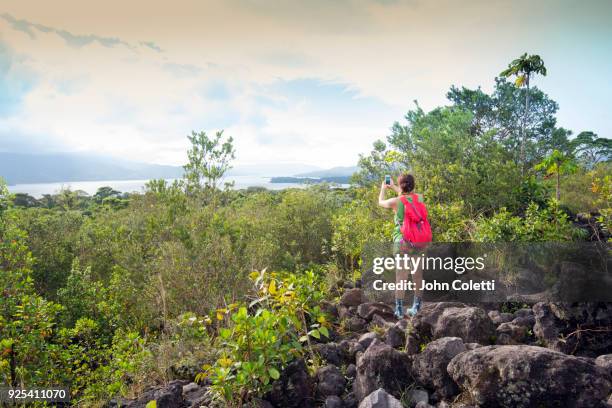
(209, 160)
(523, 68)
(592, 149)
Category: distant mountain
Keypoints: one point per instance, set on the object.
(271, 169)
(333, 172)
(24, 168)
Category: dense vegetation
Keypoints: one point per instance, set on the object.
(113, 292)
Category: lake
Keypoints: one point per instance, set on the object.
(129, 186)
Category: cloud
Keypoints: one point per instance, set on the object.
(313, 82)
(73, 40)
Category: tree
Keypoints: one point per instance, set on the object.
(209, 160)
(4, 196)
(105, 192)
(557, 164)
(523, 68)
(503, 111)
(592, 149)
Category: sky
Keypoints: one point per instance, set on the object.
(313, 82)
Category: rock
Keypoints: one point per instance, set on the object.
(350, 401)
(580, 328)
(332, 353)
(413, 344)
(195, 396)
(380, 321)
(504, 339)
(343, 312)
(451, 319)
(525, 321)
(356, 324)
(294, 389)
(395, 337)
(423, 404)
(354, 348)
(524, 312)
(429, 367)
(472, 346)
(402, 324)
(330, 308)
(333, 401)
(190, 387)
(528, 376)
(416, 396)
(330, 381)
(605, 361)
(171, 396)
(380, 399)
(381, 366)
(499, 318)
(469, 323)
(348, 285)
(516, 333)
(367, 338)
(351, 371)
(352, 297)
(367, 310)
(254, 403)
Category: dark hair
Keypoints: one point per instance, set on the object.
(406, 182)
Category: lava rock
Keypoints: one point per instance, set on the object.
(380, 399)
(352, 297)
(429, 367)
(366, 339)
(395, 337)
(294, 388)
(381, 366)
(330, 381)
(528, 376)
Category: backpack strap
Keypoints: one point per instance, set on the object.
(406, 202)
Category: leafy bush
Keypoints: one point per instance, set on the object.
(258, 340)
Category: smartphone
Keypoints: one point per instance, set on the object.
(388, 180)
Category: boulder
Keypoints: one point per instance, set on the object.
(333, 353)
(583, 329)
(499, 318)
(195, 395)
(330, 381)
(352, 297)
(333, 401)
(171, 396)
(395, 337)
(366, 339)
(452, 319)
(605, 361)
(380, 399)
(429, 366)
(528, 376)
(381, 366)
(369, 309)
(351, 371)
(356, 324)
(416, 396)
(515, 332)
(294, 388)
(350, 401)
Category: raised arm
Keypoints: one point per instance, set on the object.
(390, 202)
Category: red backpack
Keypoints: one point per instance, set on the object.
(415, 229)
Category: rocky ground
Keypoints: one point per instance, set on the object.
(448, 355)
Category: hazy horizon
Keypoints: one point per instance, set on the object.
(292, 82)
